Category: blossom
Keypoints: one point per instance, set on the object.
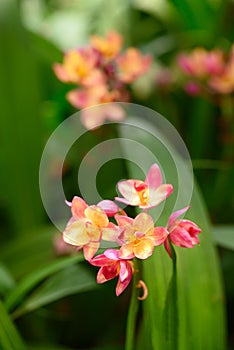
(112, 265)
(201, 63)
(79, 67)
(108, 46)
(132, 64)
(139, 236)
(88, 225)
(94, 117)
(145, 194)
(224, 83)
(182, 233)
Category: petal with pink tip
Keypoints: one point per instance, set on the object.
(78, 207)
(99, 260)
(75, 234)
(97, 216)
(122, 285)
(123, 272)
(123, 221)
(107, 273)
(90, 250)
(126, 251)
(128, 191)
(112, 254)
(180, 237)
(176, 214)
(143, 223)
(61, 73)
(144, 248)
(109, 207)
(159, 235)
(154, 177)
(159, 195)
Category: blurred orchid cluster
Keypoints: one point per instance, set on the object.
(91, 227)
(201, 72)
(101, 73)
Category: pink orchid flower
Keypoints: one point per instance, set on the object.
(80, 67)
(139, 236)
(182, 233)
(112, 265)
(145, 194)
(132, 64)
(88, 225)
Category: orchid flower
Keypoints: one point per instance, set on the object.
(88, 225)
(139, 236)
(80, 67)
(182, 233)
(132, 64)
(145, 194)
(112, 265)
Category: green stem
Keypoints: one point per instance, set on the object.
(132, 313)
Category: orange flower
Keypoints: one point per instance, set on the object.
(109, 46)
(79, 67)
(132, 64)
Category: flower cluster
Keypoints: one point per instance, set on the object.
(101, 72)
(135, 237)
(207, 71)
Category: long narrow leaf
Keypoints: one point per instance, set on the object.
(9, 336)
(30, 281)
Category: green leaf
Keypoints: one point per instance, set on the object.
(9, 336)
(224, 236)
(20, 123)
(7, 283)
(72, 280)
(31, 280)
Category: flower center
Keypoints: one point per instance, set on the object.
(143, 192)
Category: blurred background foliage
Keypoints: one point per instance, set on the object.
(39, 289)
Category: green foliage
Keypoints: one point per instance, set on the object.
(9, 336)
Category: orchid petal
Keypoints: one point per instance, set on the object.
(123, 221)
(122, 285)
(93, 232)
(110, 234)
(128, 191)
(126, 251)
(180, 237)
(176, 214)
(144, 248)
(159, 235)
(75, 234)
(78, 207)
(100, 260)
(143, 223)
(107, 273)
(109, 207)
(97, 216)
(112, 254)
(158, 195)
(90, 250)
(123, 272)
(154, 177)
